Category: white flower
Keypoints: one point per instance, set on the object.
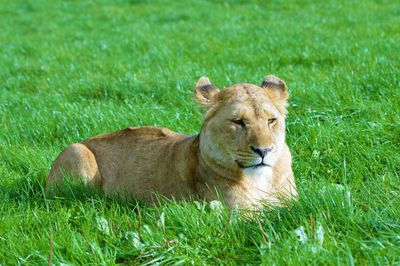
(301, 234)
(147, 229)
(161, 222)
(319, 234)
(216, 205)
(263, 249)
(314, 249)
(183, 237)
(332, 188)
(348, 198)
(339, 187)
(102, 225)
(134, 237)
(199, 205)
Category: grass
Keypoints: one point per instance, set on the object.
(73, 69)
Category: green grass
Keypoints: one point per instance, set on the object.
(73, 69)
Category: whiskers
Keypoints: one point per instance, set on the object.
(247, 159)
(246, 155)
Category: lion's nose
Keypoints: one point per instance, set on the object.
(261, 151)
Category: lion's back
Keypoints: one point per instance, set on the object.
(134, 153)
(135, 133)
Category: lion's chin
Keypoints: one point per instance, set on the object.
(261, 171)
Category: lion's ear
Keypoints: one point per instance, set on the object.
(204, 92)
(277, 91)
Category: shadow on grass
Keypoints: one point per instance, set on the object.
(24, 190)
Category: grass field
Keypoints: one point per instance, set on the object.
(73, 69)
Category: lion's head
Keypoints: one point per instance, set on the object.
(244, 126)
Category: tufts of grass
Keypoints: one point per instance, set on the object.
(71, 70)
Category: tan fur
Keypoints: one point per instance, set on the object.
(220, 161)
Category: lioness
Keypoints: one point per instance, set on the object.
(240, 152)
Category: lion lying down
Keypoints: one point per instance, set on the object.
(240, 152)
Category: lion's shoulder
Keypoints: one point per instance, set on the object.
(150, 131)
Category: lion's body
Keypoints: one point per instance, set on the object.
(222, 159)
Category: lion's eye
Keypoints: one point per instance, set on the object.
(239, 122)
(272, 121)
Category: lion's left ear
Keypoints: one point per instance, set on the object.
(204, 92)
(277, 91)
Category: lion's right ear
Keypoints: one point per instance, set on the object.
(204, 92)
(277, 91)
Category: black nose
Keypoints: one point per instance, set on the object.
(261, 152)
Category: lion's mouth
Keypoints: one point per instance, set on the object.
(262, 164)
